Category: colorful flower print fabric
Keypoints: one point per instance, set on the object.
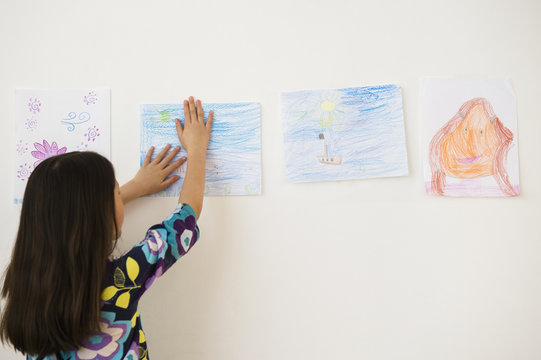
(122, 336)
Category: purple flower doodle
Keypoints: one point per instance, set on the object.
(91, 98)
(24, 171)
(34, 105)
(22, 148)
(46, 151)
(92, 133)
(31, 123)
(82, 146)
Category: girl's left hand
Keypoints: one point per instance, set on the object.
(151, 177)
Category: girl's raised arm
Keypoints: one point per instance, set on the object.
(194, 137)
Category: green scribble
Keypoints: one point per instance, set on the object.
(227, 189)
(165, 115)
(248, 189)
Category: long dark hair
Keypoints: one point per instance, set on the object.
(66, 233)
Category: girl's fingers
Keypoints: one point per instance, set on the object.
(186, 113)
(169, 181)
(193, 115)
(149, 156)
(166, 160)
(161, 154)
(200, 112)
(209, 120)
(179, 128)
(174, 165)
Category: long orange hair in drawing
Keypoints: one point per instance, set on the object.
(474, 143)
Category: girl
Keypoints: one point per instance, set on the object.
(64, 298)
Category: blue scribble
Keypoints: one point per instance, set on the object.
(234, 154)
(342, 134)
(74, 119)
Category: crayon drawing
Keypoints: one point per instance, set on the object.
(46, 150)
(52, 122)
(234, 154)
(468, 153)
(343, 134)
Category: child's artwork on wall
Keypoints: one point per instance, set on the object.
(342, 134)
(470, 138)
(52, 122)
(234, 154)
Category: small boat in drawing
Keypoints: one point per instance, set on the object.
(328, 159)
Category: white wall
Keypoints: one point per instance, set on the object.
(369, 269)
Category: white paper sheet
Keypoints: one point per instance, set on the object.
(49, 122)
(233, 164)
(343, 134)
(470, 133)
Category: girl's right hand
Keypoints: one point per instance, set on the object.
(195, 135)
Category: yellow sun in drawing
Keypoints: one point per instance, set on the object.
(325, 110)
(329, 111)
(327, 105)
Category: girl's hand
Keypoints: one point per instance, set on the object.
(151, 176)
(195, 139)
(195, 135)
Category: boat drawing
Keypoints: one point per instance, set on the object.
(326, 158)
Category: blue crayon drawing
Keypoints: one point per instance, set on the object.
(73, 119)
(234, 154)
(343, 134)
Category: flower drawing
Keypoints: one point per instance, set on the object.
(91, 98)
(22, 147)
(82, 147)
(24, 171)
(34, 105)
(31, 123)
(92, 133)
(45, 151)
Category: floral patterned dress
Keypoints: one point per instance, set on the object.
(129, 277)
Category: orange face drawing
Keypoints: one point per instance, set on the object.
(474, 143)
(468, 152)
